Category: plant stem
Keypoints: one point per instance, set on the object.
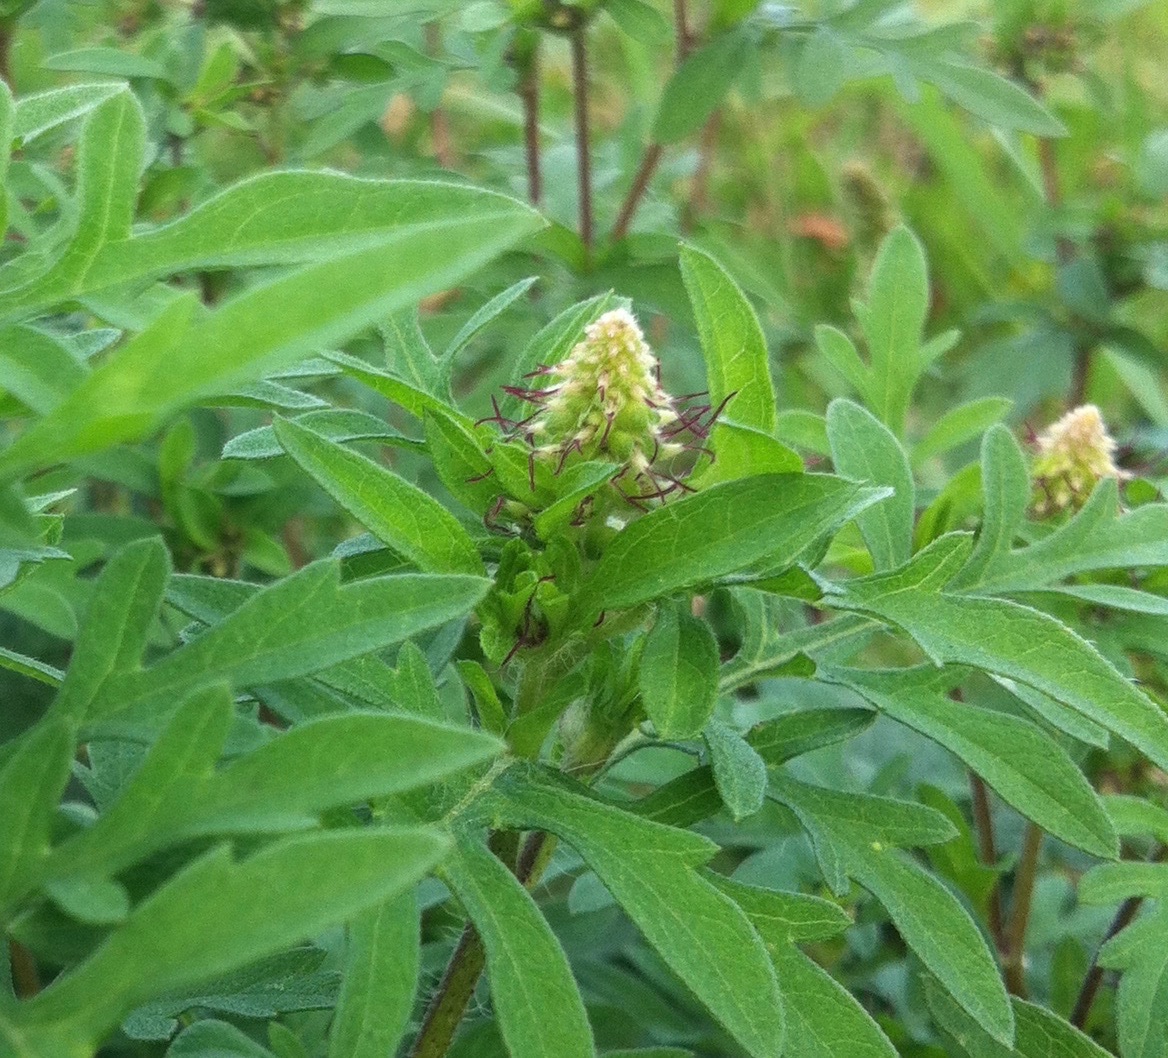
(529, 95)
(983, 825)
(654, 151)
(448, 1006)
(1094, 978)
(26, 980)
(6, 30)
(1024, 878)
(583, 156)
(467, 962)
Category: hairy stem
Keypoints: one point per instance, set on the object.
(983, 825)
(1094, 977)
(467, 962)
(448, 1006)
(583, 155)
(1024, 879)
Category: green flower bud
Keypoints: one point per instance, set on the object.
(604, 402)
(1073, 454)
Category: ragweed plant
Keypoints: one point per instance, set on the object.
(373, 715)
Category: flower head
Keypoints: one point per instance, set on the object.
(605, 402)
(1073, 454)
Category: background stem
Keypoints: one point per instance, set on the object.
(529, 94)
(583, 157)
(1094, 977)
(26, 979)
(1024, 878)
(983, 825)
(654, 151)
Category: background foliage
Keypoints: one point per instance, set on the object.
(852, 746)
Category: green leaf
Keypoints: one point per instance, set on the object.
(413, 400)
(109, 162)
(858, 835)
(893, 320)
(826, 1020)
(460, 461)
(803, 429)
(302, 624)
(112, 62)
(700, 933)
(678, 677)
(991, 96)
(862, 818)
(698, 86)
(739, 772)
(1097, 538)
(335, 424)
(1026, 767)
(382, 963)
(177, 794)
(218, 1038)
(982, 194)
(864, 449)
(1006, 485)
(784, 918)
(186, 355)
(840, 351)
(30, 667)
(290, 980)
(1008, 639)
(958, 426)
(1135, 817)
(823, 66)
(396, 512)
(1041, 1034)
(37, 369)
(1111, 882)
(640, 20)
(737, 363)
(722, 530)
(123, 607)
(37, 113)
(790, 735)
(682, 802)
(939, 930)
(217, 914)
(31, 783)
(486, 314)
(409, 355)
(743, 452)
(1139, 951)
(536, 1001)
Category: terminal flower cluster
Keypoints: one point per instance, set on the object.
(1073, 454)
(605, 402)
